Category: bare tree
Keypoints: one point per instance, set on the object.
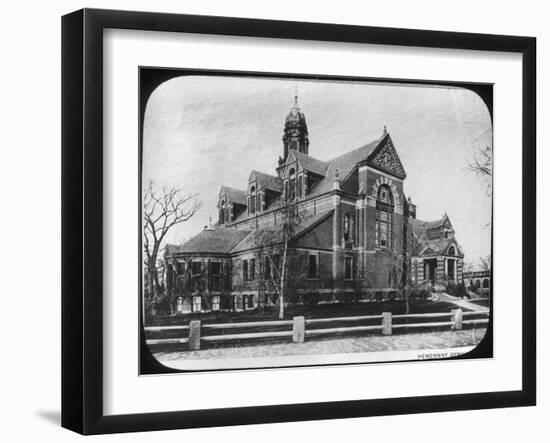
(163, 208)
(485, 263)
(468, 267)
(482, 165)
(274, 245)
(400, 270)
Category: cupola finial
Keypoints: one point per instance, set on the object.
(385, 130)
(295, 95)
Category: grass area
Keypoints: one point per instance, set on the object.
(484, 303)
(318, 311)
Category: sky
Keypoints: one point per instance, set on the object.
(201, 132)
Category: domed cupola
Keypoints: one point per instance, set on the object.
(295, 134)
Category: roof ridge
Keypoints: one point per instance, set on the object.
(377, 140)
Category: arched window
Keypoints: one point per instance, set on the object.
(252, 200)
(222, 212)
(384, 217)
(300, 186)
(452, 250)
(485, 284)
(292, 184)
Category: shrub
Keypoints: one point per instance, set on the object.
(456, 289)
(421, 291)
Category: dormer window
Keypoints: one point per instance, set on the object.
(222, 212)
(452, 250)
(252, 199)
(292, 184)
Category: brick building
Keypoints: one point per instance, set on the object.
(354, 234)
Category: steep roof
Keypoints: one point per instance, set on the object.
(345, 164)
(234, 195)
(310, 164)
(273, 234)
(214, 241)
(424, 246)
(438, 223)
(268, 181)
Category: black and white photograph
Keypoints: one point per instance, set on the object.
(291, 221)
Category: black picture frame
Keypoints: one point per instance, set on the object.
(82, 220)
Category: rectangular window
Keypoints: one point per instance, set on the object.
(313, 268)
(348, 265)
(196, 267)
(245, 270)
(277, 262)
(196, 304)
(383, 234)
(215, 268)
(267, 269)
(252, 269)
(250, 302)
(216, 303)
(215, 276)
(228, 214)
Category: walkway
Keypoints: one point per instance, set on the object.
(421, 342)
(461, 303)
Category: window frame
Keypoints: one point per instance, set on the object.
(348, 259)
(317, 260)
(194, 303)
(245, 269)
(385, 205)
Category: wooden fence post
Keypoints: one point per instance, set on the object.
(298, 329)
(194, 335)
(386, 323)
(456, 319)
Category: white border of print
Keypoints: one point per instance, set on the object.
(125, 392)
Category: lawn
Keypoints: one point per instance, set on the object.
(484, 303)
(318, 311)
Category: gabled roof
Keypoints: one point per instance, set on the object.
(310, 164)
(385, 157)
(438, 223)
(345, 164)
(424, 246)
(234, 195)
(273, 235)
(213, 241)
(267, 181)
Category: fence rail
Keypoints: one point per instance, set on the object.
(299, 331)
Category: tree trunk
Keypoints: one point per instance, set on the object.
(152, 288)
(281, 292)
